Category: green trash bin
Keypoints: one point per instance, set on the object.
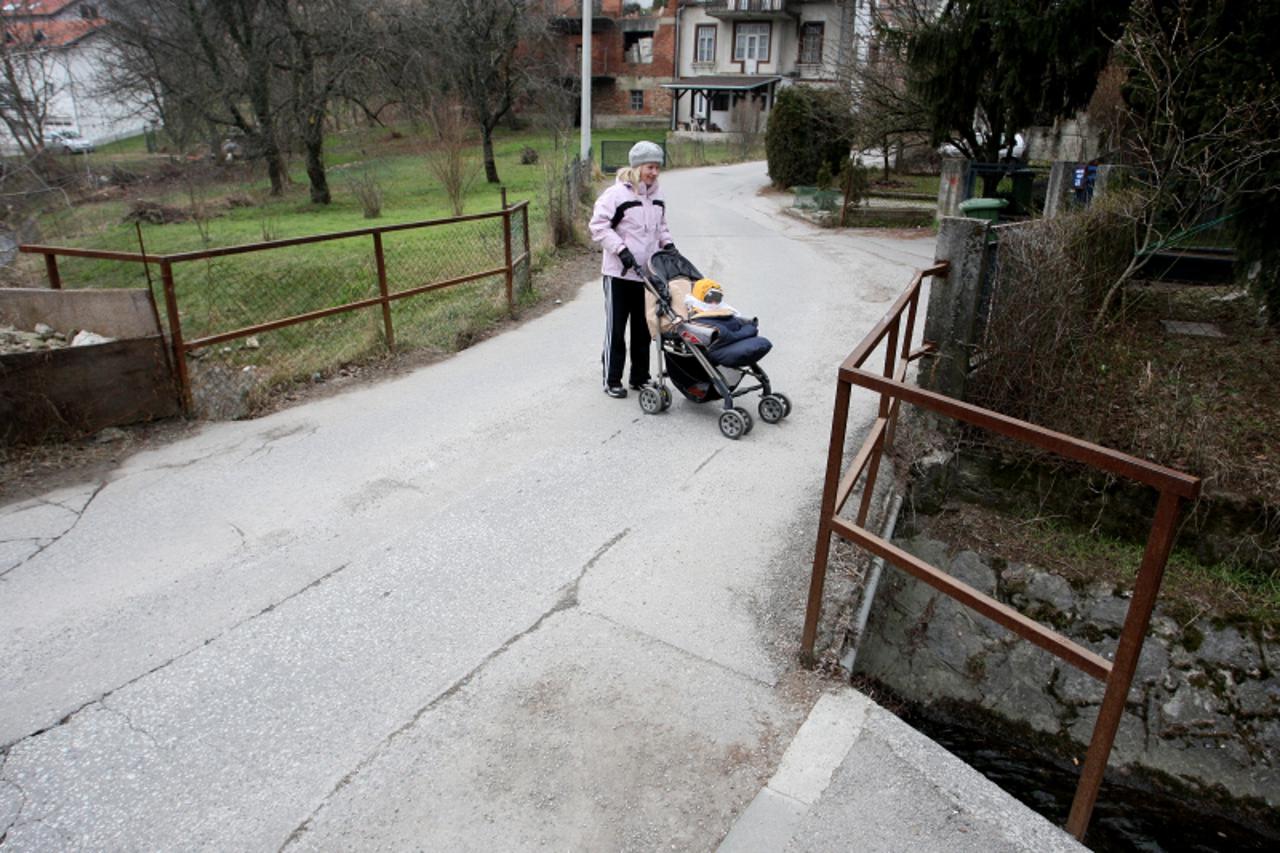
(1024, 181)
(983, 208)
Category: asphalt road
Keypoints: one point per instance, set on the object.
(482, 606)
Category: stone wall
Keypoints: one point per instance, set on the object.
(1203, 712)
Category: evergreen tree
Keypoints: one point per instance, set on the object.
(986, 69)
(808, 128)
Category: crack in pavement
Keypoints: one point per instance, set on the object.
(67, 718)
(22, 798)
(567, 600)
(78, 516)
(272, 436)
(681, 650)
(705, 463)
(128, 721)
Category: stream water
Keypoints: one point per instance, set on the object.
(1124, 819)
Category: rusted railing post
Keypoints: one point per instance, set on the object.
(1136, 621)
(175, 335)
(506, 245)
(51, 267)
(835, 455)
(524, 218)
(389, 331)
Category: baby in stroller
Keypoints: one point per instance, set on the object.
(706, 348)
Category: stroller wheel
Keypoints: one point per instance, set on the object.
(772, 409)
(786, 403)
(746, 416)
(665, 393)
(732, 424)
(650, 400)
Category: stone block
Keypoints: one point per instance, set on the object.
(973, 570)
(1017, 687)
(1190, 710)
(1131, 736)
(1153, 663)
(1256, 698)
(1051, 590)
(1106, 612)
(1227, 648)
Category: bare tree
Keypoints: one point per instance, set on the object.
(887, 113)
(30, 80)
(209, 58)
(484, 53)
(325, 44)
(1193, 149)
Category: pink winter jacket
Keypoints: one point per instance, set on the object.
(633, 216)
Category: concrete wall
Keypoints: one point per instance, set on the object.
(1204, 708)
(111, 313)
(73, 391)
(953, 305)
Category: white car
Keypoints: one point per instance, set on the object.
(68, 142)
(1019, 151)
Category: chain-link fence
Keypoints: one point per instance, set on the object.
(244, 320)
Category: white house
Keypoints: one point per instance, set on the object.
(735, 52)
(57, 58)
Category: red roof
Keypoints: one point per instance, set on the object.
(34, 7)
(53, 33)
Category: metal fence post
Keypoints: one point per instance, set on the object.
(175, 335)
(817, 581)
(388, 330)
(506, 242)
(1164, 529)
(51, 267)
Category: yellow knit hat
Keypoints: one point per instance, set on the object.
(703, 286)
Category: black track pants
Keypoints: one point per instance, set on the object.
(623, 306)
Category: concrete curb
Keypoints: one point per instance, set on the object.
(847, 758)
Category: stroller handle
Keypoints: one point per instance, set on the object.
(664, 301)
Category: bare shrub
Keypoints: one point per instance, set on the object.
(747, 120)
(563, 187)
(365, 187)
(451, 161)
(1051, 275)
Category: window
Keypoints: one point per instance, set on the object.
(751, 42)
(705, 43)
(637, 47)
(637, 100)
(811, 43)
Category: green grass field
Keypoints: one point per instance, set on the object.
(230, 205)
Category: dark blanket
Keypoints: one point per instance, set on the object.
(738, 342)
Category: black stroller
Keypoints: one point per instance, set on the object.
(703, 363)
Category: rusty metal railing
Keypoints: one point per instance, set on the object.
(895, 331)
(181, 347)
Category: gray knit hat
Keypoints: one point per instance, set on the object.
(645, 152)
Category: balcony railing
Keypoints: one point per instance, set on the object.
(747, 6)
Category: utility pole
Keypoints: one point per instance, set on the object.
(584, 153)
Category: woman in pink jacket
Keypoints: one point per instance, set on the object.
(630, 224)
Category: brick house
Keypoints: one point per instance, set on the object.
(632, 55)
